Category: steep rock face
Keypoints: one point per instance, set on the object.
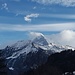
(40, 40)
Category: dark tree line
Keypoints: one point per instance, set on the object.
(3, 68)
(57, 64)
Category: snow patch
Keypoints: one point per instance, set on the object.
(11, 68)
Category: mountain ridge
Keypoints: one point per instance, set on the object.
(25, 55)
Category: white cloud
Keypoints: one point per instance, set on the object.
(60, 2)
(28, 17)
(42, 27)
(66, 37)
(20, 12)
(5, 6)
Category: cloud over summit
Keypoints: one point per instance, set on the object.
(65, 37)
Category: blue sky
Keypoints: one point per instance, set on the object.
(19, 17)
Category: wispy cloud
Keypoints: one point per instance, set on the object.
(5, 6)
(20, 12)
(28, 17)
(63, 16)
(42, 27)
(34, 7)
(33, 35)
(60, 2)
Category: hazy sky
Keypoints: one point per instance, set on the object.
(19, 17)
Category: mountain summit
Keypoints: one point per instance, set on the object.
(40, 40)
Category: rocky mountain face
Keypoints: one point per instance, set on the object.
(26, 55)
(62, 63)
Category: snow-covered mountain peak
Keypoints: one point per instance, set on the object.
(40, 40)
(32, 46)
(26, 47)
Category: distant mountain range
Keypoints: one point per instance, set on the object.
(26, 55)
